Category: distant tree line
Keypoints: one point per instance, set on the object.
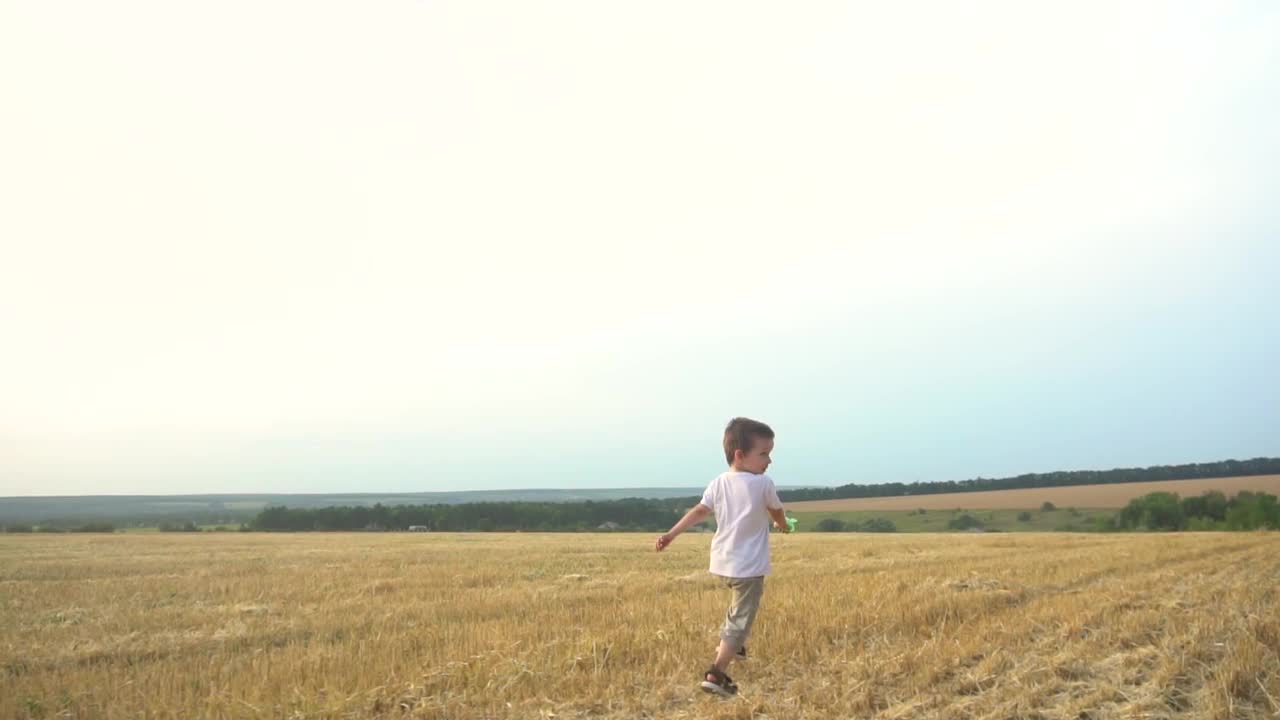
(627, 514)
(1191, 471)
(93, 527)
(1211, 510)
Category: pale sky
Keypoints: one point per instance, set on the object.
(411, 246)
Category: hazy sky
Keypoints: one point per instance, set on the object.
(269, 246)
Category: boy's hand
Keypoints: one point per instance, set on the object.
(779, 517)
(663, 541)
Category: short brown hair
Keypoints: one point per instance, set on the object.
(738, 435)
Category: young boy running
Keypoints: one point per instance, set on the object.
(743, 499)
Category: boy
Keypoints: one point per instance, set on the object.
(743, 499)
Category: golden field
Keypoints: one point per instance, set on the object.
(600, 626)
(1091, 496)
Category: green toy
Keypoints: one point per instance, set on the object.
(791, 524)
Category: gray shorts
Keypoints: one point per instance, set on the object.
(742, 613)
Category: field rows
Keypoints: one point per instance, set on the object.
(544, 625)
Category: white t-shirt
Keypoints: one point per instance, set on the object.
(740, 548)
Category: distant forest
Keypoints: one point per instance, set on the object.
(1190, 471)
(630, 514)
(614, 513)
(657, 515)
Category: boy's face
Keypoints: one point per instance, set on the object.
(756, 460)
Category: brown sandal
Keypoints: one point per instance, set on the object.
(720, 684)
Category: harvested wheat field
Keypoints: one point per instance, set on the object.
(1092, 496)
(600, 626)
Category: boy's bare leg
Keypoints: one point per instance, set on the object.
(724, 655)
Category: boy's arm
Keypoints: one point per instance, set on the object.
(779, 519)
(773, 504)
(696, 514)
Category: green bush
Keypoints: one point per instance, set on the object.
(18, 529)
(1204, 523)
(876, 524)
(1153, 511)
(1048, 507)
(1210, 504)
(964, 522)
(1024, 516)
(1253, 511)
(1210, 511)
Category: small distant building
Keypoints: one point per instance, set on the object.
(608, 525)
(419, 528)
